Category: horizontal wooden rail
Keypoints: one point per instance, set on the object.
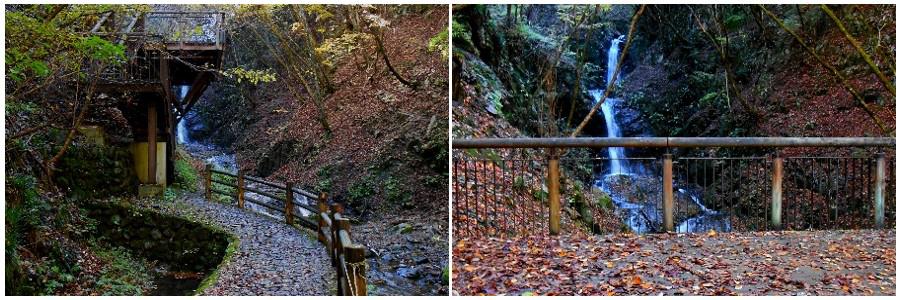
(662, 142)
(281, 186)
(347, 257)
(333, 230)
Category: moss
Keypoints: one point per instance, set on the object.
(186, 177)
(439, 43)
(233, 245)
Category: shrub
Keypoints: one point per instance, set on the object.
(439, 43)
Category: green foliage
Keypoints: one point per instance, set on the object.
(324, 182)
(124, 274)
(735, 21)
(253, 76)
(101, 50)
(337, 48)
(462, 37)
(519, 183)
(186, 177)
(396, 193)
(439, 43)
(361, 190)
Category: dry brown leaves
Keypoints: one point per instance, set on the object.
(713, 263)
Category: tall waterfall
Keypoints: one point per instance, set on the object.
(616, 154)
(182, 133)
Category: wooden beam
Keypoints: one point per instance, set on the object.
(197, 88)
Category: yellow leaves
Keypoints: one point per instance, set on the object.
(468, 268)
(712, 233)
(610, 264)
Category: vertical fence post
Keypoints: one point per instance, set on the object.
(336, 210)
(289, 202)
(777, 177)
(668, 195)
(553, 190)
(879, 189)
(322, 205)
(240, 189)
(356, 258)
(208, 182)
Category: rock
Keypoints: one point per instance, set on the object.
(403, 228)
(411, 273)
(421, 260)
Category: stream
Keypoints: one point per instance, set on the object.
(637, 193)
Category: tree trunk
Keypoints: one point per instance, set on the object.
(862, 52)
(611, 85)
(843, 80)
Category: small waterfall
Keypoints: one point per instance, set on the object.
(182, 131)
(626, 184)
(612, 59)
(616, 154)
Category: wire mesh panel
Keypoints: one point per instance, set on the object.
(832, 193)
(499, 193)
(504, 192)
(722, 194)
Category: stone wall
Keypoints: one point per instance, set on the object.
(180, 243)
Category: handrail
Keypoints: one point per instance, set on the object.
(332, 228)
(661, 142)
(348, 258)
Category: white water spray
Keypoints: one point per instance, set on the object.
(181, 128)
(616, 154)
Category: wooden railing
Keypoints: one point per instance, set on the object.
(333, 229)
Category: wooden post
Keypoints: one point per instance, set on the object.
(336, 210)
(240, 189)
(151, 143)
(289, 202)
(879, 190)
(777, 178)
(356, 257)
(553, 190)
(668, 194)
(323, 208)
(208, 178)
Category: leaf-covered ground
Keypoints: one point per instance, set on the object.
(755, 263)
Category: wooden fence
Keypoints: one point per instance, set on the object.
(333, 229)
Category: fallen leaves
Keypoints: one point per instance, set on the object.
(757, 263)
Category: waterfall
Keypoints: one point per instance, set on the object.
(182, 132)
(616, 154)
(612, 59)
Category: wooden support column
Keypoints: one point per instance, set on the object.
(668, 194)
(289, 202)
(553, 190)
(777, 178)
(240, 189)
(165, 80)
(151, 143)
(879, 190)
